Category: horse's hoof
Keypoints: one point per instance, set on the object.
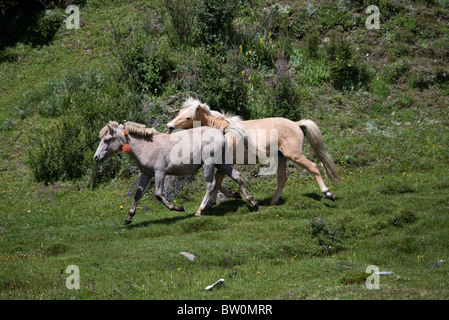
(236, 195)
(127, 221)
(179, 208)
(330, 196)
(256, 205)
(198, 214)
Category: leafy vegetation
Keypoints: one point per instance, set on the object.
(379, 96)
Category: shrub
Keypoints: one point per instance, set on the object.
(310, 71)
(63, 149)
(346, 72)
(143, 58)
(222, 86)
(215, 20)
(419, 81)
(182, 17)
(312, 43)
(392, 75)
(333, 16)
(283, 100)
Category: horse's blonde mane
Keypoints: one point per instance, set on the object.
(236, 128)
(192, 104)
(132, 127)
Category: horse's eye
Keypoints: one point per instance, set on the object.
(188, 118)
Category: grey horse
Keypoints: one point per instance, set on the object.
(159, 154)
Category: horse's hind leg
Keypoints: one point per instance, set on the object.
(230, 194)
(312, 167)
(160, 177)
(218, 180)
(282, 178)
(211, 187)
(236, 176)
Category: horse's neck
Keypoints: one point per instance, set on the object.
(211, 121)
(138, 145)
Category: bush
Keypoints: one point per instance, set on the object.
(182, 17)
(64, 149)
(310, 71)
(283, 100)
(335, 16)
(346, 72)
(312, 43)
(147, 60)
(222, 86)
(215, 20)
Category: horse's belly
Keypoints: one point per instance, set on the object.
(182, 169)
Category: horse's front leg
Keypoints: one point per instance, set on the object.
(144, 180)
(159, 186)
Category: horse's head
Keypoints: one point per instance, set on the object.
(193, 110)
(113, 139)
(184, 120)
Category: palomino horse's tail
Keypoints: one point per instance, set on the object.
(313, 135)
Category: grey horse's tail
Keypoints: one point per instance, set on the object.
(313, 135)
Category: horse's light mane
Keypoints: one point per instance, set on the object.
(105, 129)
(236, 128)
(132, 127)
(140, 129)
(193, 104)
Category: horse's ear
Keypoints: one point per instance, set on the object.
(111, 130)
(195, 110)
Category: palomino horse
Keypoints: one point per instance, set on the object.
(159, 154)
(289, 139)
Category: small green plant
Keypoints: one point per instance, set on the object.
(329, 237)
(396, 188)
(420, 80)
(392, 75)
(352, 277)
(182, 17)
(406, 216)
(312, 46)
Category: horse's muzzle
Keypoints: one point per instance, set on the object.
(169, 128)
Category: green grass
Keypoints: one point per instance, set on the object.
(389, 140)
(269, 254)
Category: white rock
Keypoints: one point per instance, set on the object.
(188, 255)
(216, 284)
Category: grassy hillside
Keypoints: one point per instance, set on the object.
(379, 96)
